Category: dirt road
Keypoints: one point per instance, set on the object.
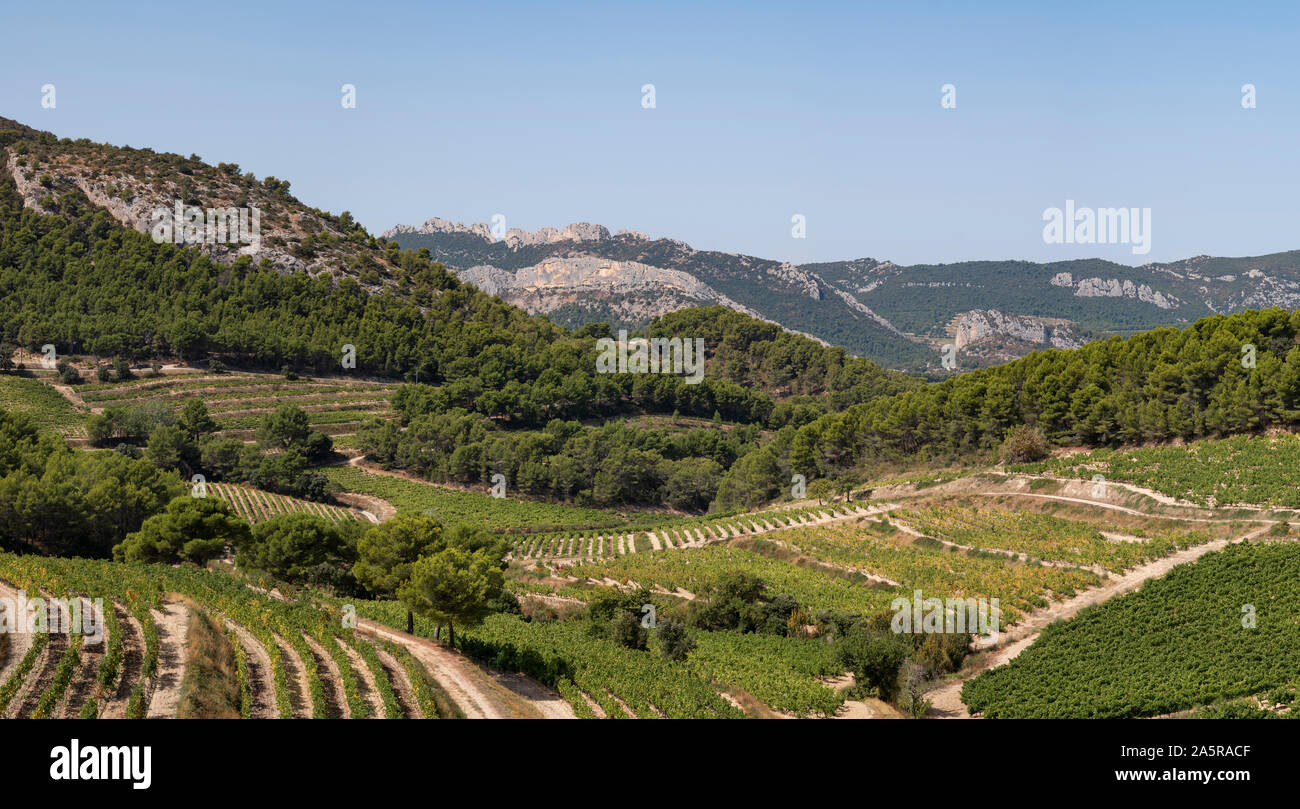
(478, 694)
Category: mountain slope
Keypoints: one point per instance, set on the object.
(132, 184)
(900, 316)
(1222, 375)
(82, 271)
(553, 272)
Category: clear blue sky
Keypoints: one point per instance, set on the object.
(764, 110)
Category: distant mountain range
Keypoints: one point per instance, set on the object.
(900, 316)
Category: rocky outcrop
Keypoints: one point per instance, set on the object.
(1265, 293)
(578, 278)
(132, 201)
(514, 238)
(627, 290)
(1114, 288)
(489, 279)
(577, 232)
(436, 225)
(805, 282)
(982, 324)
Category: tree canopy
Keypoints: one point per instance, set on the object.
(190, 529)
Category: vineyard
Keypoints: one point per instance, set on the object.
(681, 533)
(878, 548)
(858, 568)
(834, 558)
(40, 402)
(256, 505)
(696, 569)
(602, 680)
(298, 659)
(1245, 469)
(1039, 536)
(1179, 642)
(473, 508)
(781, 672)
(294, 660)
(238, 401)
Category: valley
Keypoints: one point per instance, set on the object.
(337, 475)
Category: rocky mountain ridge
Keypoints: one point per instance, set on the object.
(894, 314)
(980, 324)
(133, 185)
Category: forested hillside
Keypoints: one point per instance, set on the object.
(493, 390)
(57, 500)
(74, 277)
(1222, 375)
(79, 280)
(776, 290)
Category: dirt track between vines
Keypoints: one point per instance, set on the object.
(19, 642)
(478, 693)
(261, 679)
(173, 631)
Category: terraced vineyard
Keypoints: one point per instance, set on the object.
(473, 508)
(853, 566)
(237, 401)
(858, 561)
(256, 505)
(1244, 469)
(1039, 536)
(40, 402)
(879, 548)
(1179, 642)
(681, 533)
(696, 569)
(294, 660)
(596, 677)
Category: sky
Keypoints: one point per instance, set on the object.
(762, 112)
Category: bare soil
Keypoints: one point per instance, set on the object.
(401, 685)
(475, 691)
(173, 627)
(366, 686)
(295, 675)
(261, 679)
